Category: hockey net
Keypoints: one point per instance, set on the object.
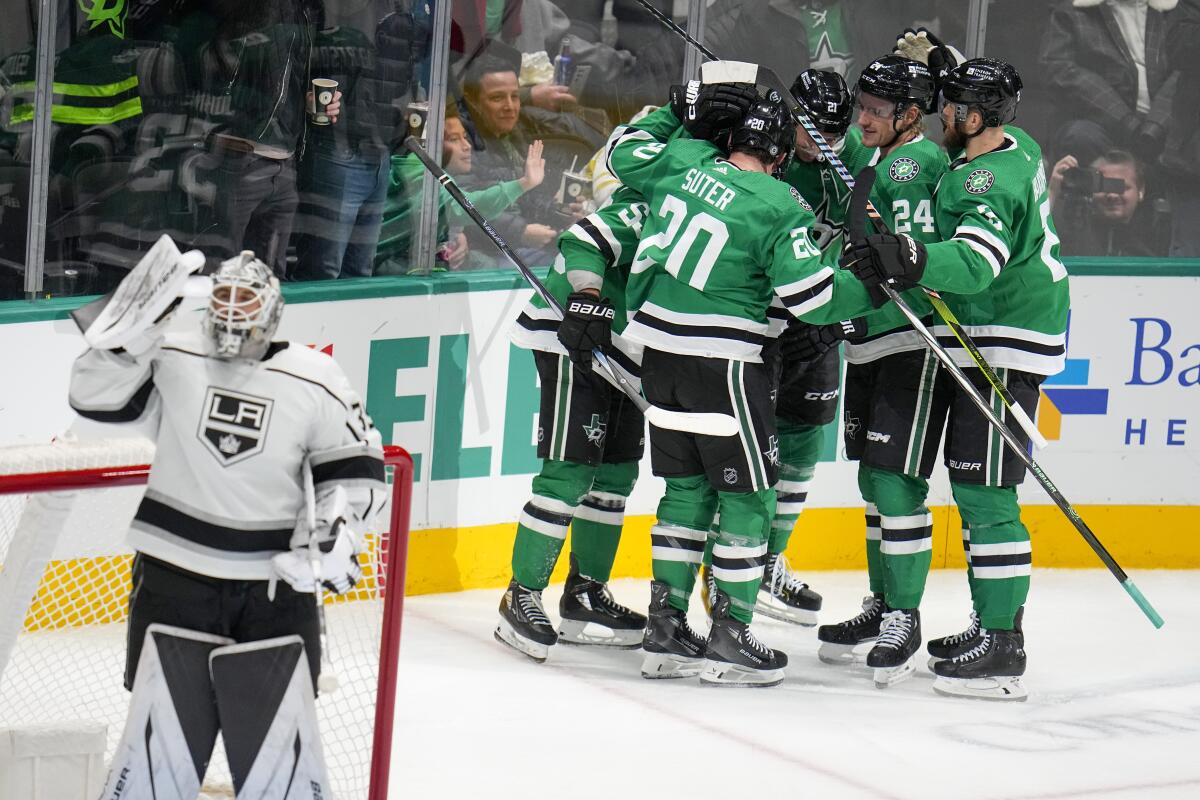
(64, 587)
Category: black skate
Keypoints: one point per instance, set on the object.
(783, 596)
(591, 616)
(844, 642)
(892, 657)
(991, 670)
(524, 625)
(673, 649)
(734, 657)
(955, 644)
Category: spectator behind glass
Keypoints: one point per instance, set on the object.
(404, 192)
(1103, 210)
(503, 131)
(343, 174)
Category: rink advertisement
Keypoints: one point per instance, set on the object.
(440, 377)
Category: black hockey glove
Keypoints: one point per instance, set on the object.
(883, 257)
(710, 111)
(586, 325)
(803, 342)
(921, 45)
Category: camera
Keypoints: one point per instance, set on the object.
(1083, 181)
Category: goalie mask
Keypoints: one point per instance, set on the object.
(244, 308)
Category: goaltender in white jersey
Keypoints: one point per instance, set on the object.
(267, 469)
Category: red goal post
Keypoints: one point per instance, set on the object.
(64, 585)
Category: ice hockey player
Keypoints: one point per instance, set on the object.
(722, 237)
(998, 270)
(222, 618)
(889, 380)
(590, 440)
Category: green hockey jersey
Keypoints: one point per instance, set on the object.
(718, 245)
(905, 181)
(997, 265)
(819, 184)
(595, 252)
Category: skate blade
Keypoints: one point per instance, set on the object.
(845, 655)
(890, 676)
(593, 634)
(656, 666)
(785, 613)
(999, 688)
(720, 673)
(505, 634)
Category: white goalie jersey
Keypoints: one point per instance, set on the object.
(226, 486)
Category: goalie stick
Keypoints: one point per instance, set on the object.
(856, 229)
(709, 424)
(743, 72)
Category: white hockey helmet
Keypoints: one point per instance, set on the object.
(244, 307)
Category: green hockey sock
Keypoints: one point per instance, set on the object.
(871, 512)
(677, 540)
(740, 551)
(1001, 554)
(906, 535)
(542, 526)
(972, 583)
(596, 531)
(799, 449)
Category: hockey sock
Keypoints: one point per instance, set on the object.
(799, 449)
(542, 527)
(596, 531)
(1001, 555)
(740, 551)
(685, 514)
(906, 536)
(972, 582)
(871, 512)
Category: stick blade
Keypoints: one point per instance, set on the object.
(728, 72)
(688, 422)
(860, 199)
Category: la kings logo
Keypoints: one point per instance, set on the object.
(233, 426)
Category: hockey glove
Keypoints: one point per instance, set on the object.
(331, 543)
(586, 325)
(921, 45)
(803, 342)
(710, 111)
(884, 257)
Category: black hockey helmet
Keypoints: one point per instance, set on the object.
(826, 98)
(768, 130)
(903, 81)
(988, 84)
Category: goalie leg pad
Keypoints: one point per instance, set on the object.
(172, 723)
(268, 714)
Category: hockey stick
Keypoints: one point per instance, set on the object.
(327, 681)
(742, 72)
(856, 229)
(703, 423)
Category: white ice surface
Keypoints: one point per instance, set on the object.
(1113, 713)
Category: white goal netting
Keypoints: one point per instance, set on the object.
(64, 586)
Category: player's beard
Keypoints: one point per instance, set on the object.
(953, 138)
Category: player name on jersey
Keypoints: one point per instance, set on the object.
(708, 188)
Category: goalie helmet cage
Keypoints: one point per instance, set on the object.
(64, 584)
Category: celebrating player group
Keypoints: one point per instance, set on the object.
(725, 275)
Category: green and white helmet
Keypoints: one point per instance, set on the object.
(244, 308)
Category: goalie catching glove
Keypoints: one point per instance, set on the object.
(586, 324)
(711, 111)
(884, 257)
(328, 552)
(803, 342)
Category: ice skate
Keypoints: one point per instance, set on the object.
(991, 670)
(846, 642)
(524, 625)
(734, 657)
(673, 649)
(894, 655)
(590, 616)
(955, 644)
(783, 596)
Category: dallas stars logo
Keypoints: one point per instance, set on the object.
(904, 170)
(979, 181)
(772, 451)
(853, 426)
(595, 431)
(100, 12)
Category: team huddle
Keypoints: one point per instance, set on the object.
(729, 275)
